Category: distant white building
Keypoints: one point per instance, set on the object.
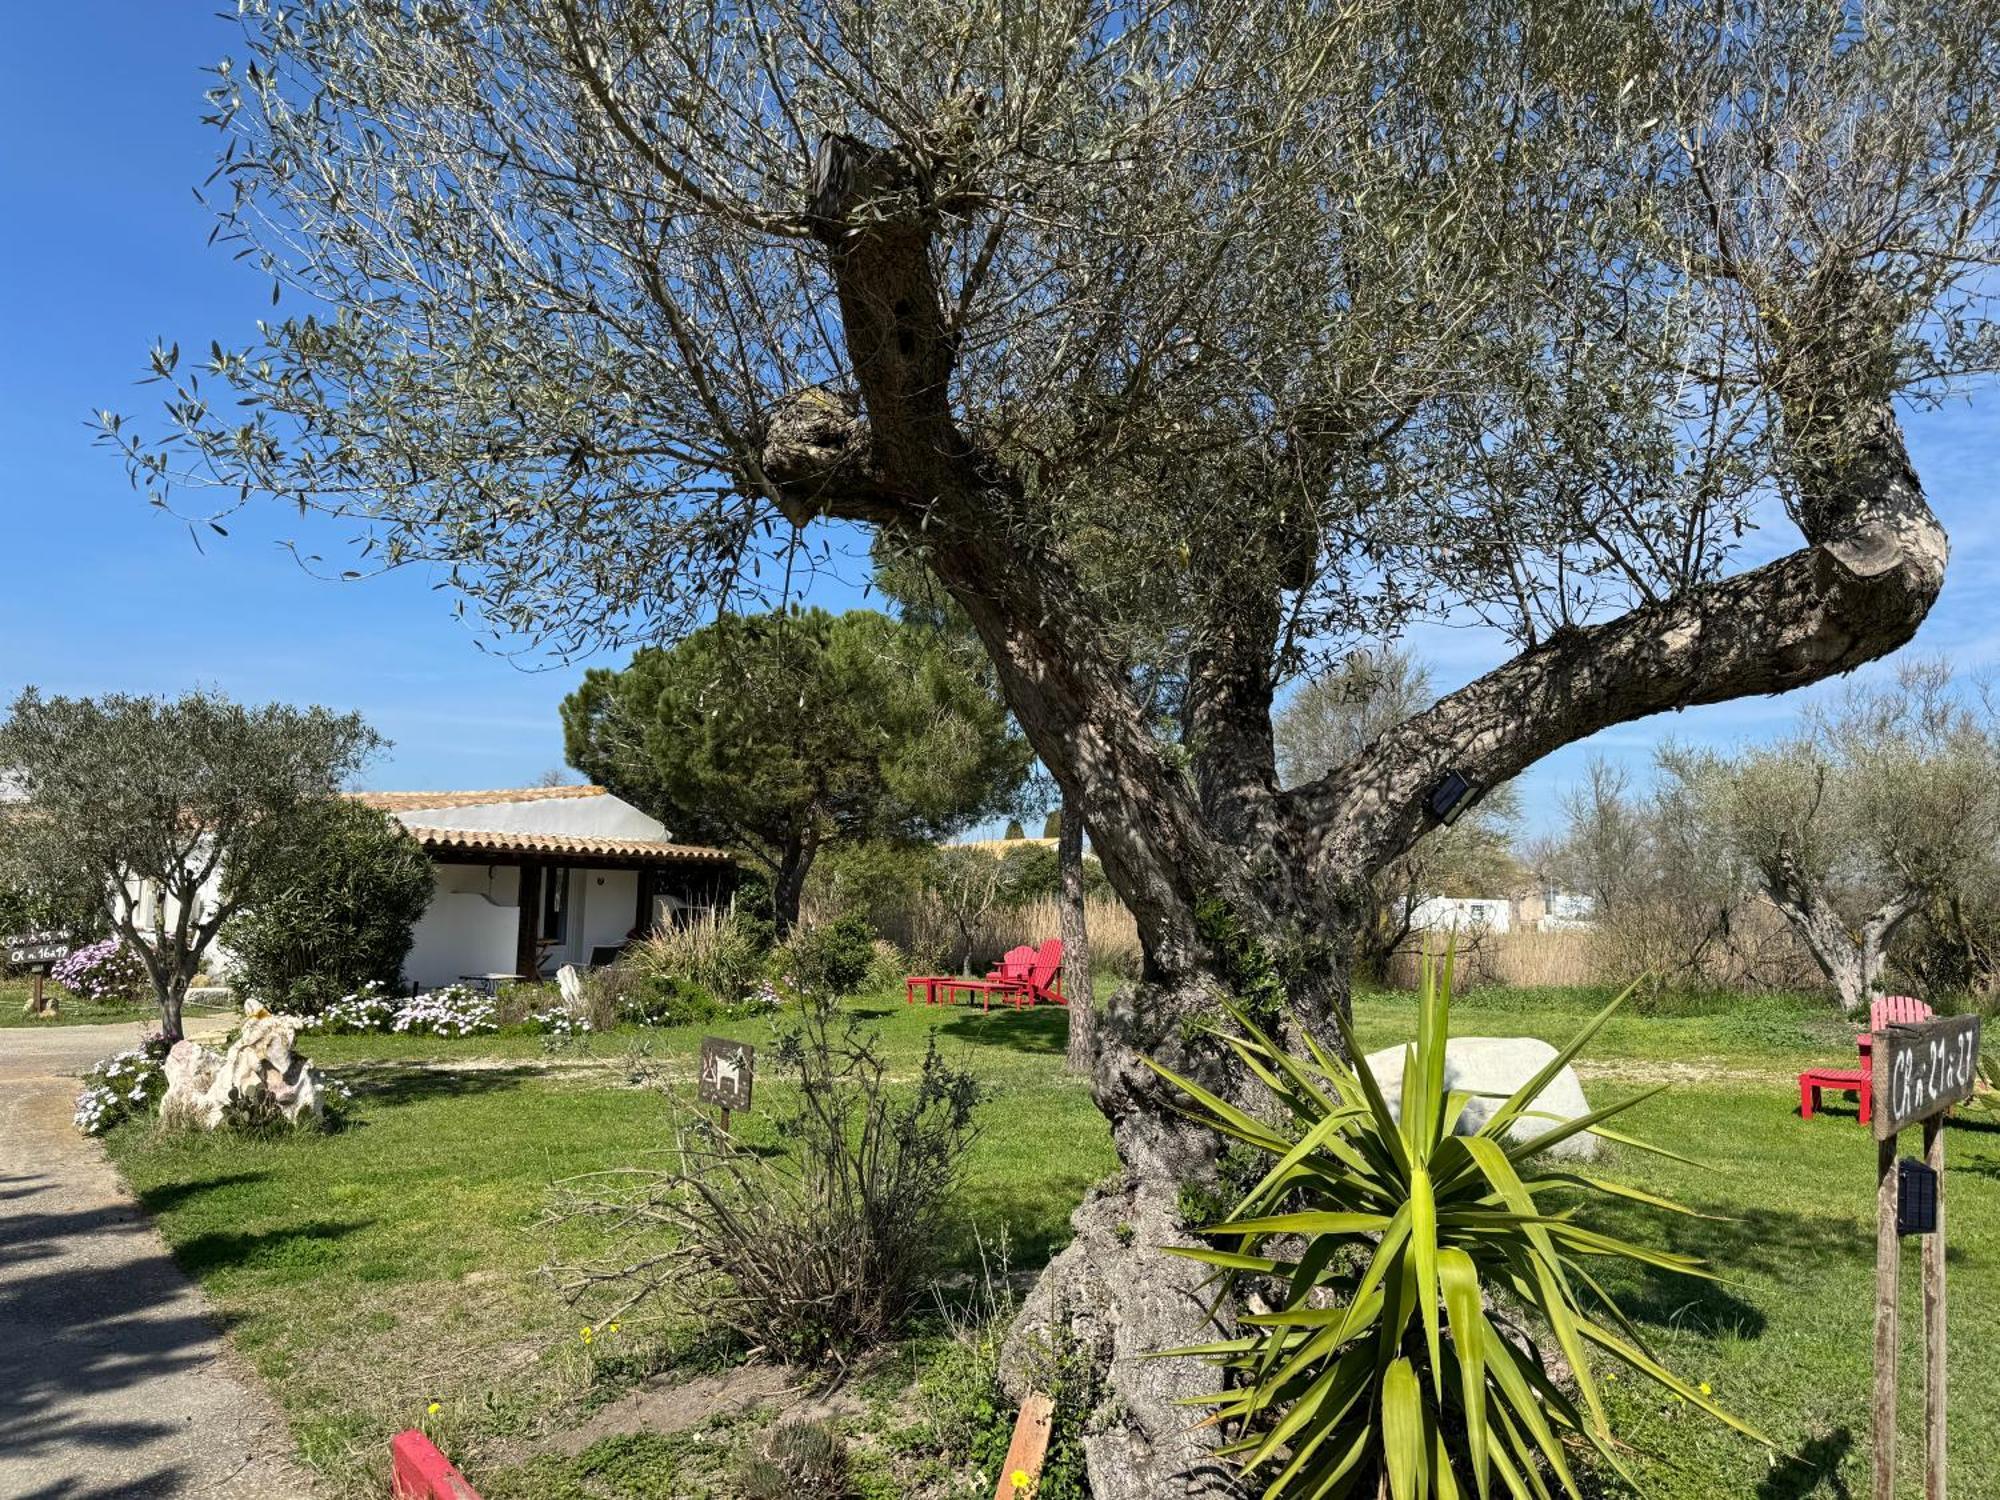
(1566, 911)
(1463, 914)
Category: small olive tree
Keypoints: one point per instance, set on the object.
(137, 806)
(1883, 801)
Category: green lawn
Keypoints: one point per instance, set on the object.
(15, 994)
(372, 1271)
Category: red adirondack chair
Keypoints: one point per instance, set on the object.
(1890, 1010)
(1024, 976)
(1887, 1010)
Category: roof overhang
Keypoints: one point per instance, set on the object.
(483, 846)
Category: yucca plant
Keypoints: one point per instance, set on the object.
(1388, 1364)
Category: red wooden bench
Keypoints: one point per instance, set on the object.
(1856, 1081)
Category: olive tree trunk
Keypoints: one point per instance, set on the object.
(1075, 935)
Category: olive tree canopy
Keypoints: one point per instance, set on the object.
(197, 798)
(1887, 799)
(1243, 332)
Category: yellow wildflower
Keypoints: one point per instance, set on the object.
(1705, 1390)
(432, 1409)
(1021, 1480)
(587, 1334)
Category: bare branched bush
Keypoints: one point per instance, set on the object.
(811, 1252)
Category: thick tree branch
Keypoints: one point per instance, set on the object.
(1873, 567)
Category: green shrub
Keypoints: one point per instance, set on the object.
(830, 959)
(721, 953)
(665, 1001)
(888, 965)
(1029, 872)
(334, 914)
(1383, 1246)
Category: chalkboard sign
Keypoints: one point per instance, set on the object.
(30, 950)
(726, 1071)
(1922, 1069)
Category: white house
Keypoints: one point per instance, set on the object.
(532, 878)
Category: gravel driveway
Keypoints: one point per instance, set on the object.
(114, 1380)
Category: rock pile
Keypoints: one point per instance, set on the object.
(259, 1078)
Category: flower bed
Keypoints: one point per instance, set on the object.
(106, 970)
(559, 1022)
(125, 1084)
(370, 1008)
(454, 1011)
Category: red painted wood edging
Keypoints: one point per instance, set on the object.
(1030, 1447)
(417, 1471)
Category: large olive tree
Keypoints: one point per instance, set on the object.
(1243, 331)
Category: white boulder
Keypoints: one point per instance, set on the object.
(569, 984)
(258, 1075)
(1498, 1065)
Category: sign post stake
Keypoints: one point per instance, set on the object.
(1888, 1253)
(1934, 1341)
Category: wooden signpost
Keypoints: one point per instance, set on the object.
(37, 952)
(1920, 1071)
(727, 1070)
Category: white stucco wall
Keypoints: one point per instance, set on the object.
(1440, 913)
(462, 932)
(603, 904)
(472, 925)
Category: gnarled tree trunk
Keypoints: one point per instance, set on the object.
(1075, 936)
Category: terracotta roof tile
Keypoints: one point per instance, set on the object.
(484, 841)
(417, 801)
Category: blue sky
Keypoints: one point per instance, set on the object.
(100, 147)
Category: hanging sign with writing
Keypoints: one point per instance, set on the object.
(37, 949)
(1922, 1069)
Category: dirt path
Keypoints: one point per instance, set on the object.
(114, 1379)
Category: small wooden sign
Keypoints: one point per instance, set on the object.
(1924, 1067)
(727, 1070)
(37, 949)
